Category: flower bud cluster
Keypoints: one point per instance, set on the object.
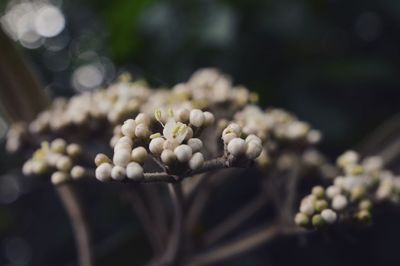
(239, 145)
(57, 158)
(352, 195)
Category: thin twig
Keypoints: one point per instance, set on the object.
(73, 206)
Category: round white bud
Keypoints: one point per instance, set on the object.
(118, 172)
(209, 119)
(196, 118)
(142, 118)
(124, 141)
(134, 171)
(59, 177)
(233, 127)
(301, 219)
(253, 149)
(168, 157)
(196, 144)
(189, 133)
(332, 191)
(339, 202)
(253, 137)
(128, 128)
(307, 207)
(197, 161)
(183, 153)
(77, 172)
(139, 155)
(39, 167)
(64, 163)
(58, 145)
(170, 144)
(27, 168)
(329, 216)
(183, 115)
(103, 171)
(74, 150)
(142, 131)
(156, 146)
(237, 147)
(228, 137)
(122, 157)
(101, 158)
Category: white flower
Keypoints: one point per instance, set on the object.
(118, 172)
(183, 153)
(237, 147)
(142, 119)
(101, 158)
(332, 191)
(196, 144)
(301, 219)
(134, 171)
(139, 155)
(103, 171)
(58, 145)
(196, 161)
(339, 202)
(196, 118)
(142, 131)
(228, 137)
(175, 131)
(329, 216)
(253, 137)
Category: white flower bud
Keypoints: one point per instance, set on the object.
(128, 128)
(113, 141)
(329, 216)
(118, 172)
(170, 144)
(301, 219)
(156, 146)
(124, 142)
(233, 128)
(142, 119)
(189, 133)
(77, 172)
(339, 202)
(168, 157)
(228, 137)
(196, 144)
(139, 155)
(253, 137)
(196, 117)
(101, 158)
(347, 158)
(39, 167)
(183, 115)
(253, 149)
(307, 207)
(122, 157)
(74, 150)
(64, 163)
(103, 172)
(142, 131)
(183, 153)
(27, 168)
(58, 145)
(197, 161)
(209, 119)
(59, 177)
(134, 171)
(332, 191)
(237, 147)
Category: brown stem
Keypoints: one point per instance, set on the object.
(72, 204)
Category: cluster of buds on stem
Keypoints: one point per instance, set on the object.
(352, 195)
(56, 158)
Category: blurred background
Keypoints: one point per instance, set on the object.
(333, 63)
